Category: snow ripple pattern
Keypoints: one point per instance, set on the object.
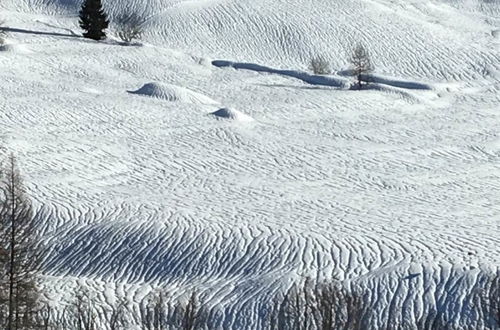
(398, 194)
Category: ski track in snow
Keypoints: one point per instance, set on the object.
(396, 192)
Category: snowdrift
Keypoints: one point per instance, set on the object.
(232, 114)
(172, 93)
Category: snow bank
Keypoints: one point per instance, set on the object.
(304, 76)
(389, 81)
(406, 84)
(321, 80)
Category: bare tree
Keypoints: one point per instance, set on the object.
(191, 313)
(291, 310)
(118, 316)
(3, 34)
(320, 65)
(130, 27)
(159, 314)
(19, 247)
(78, 314)
(45, 317)
(338, 308)
(494, 298)
(154, 311)
(81, 311)
(362, 65)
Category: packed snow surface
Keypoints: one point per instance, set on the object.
(395, 188)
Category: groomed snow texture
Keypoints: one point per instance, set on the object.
(394, 188)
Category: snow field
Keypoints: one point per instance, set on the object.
(392, 189)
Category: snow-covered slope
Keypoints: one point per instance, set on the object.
(444, 39)
(373, 186)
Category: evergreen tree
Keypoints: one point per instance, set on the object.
(362, 64)
(93, 20)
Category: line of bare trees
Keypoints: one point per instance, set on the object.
(322, 306)
(331, 306)
(305, 306)
(156, 312)
(21, 306)
(486, 300)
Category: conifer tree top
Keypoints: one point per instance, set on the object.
(93, 19)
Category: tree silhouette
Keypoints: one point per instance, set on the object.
(19, 252)
(362, 65)
(93, 20)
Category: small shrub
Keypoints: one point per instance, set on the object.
(320, 65)
(3, 34)
(129, 27)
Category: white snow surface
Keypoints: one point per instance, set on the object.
(371, 187)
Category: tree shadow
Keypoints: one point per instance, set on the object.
(299, 87)
(54, 34)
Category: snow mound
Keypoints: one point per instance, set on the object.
(173, 93)
(226, 113)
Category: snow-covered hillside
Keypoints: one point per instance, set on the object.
(208, 158)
